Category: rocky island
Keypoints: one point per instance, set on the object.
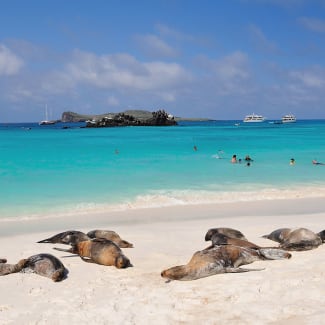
(127, 118)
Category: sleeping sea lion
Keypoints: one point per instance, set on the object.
(273, 253)
(99, 251)
(229, 232)
(299, 239)
(109, 235)
(215, 260)
(69, 237)
(221, 239)
(42, 264)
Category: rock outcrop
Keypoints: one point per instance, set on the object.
(158, 118)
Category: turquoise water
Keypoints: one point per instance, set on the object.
(51, 170)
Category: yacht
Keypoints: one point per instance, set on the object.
(46, 121)
(289, 118)
(254, 118)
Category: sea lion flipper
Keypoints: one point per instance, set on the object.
(271, 253)
(240, 270)
(63, 250)
(88, 260)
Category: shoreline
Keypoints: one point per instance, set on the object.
(161, 199)
(283, 292)
(174, 213)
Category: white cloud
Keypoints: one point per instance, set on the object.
(233, 66)
(314, 24)
(226, 76)
(10, 63)
(122, 71)
(312, 77)
(170, 32)
(155, 46)
(261, 41)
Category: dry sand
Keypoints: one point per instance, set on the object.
(285, 292)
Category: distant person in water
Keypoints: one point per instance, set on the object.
(248, 158)
(292, 161)
(315, 162)
(234, 159)
(195, 148)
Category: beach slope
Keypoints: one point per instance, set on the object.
(284, 292)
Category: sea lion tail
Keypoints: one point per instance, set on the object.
(48, 240)
(270, 253)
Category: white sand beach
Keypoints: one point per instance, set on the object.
(285, 292)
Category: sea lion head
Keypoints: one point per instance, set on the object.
(122, 262)
(209, 234)
(174, 273)
(59, 275)
(322, 236)
(219, 239)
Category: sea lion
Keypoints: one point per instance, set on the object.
(221, 239)
(278, 235)
(99, 251)
(42, 264)
(273, 253)
(229, 232)
(215, 260)
(322, 235)
(109, 235)
(299, 239)
(69, 237)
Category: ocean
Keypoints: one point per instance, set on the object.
(63, 169)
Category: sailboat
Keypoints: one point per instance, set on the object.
(46, 121)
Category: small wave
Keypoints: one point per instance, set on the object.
(176, 198)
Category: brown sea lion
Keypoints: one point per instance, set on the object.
(99, 251)
(268, 252)
(215, 260)
(69, 237)
(299, 239)
(221, 239)
(42, 264)
(109, 235)
(229, 232)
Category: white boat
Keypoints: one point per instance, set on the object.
(254, 118)
(46, 121)
(289, 118)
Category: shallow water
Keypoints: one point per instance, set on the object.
(51, 170)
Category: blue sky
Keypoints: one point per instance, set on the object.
(219, 59)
